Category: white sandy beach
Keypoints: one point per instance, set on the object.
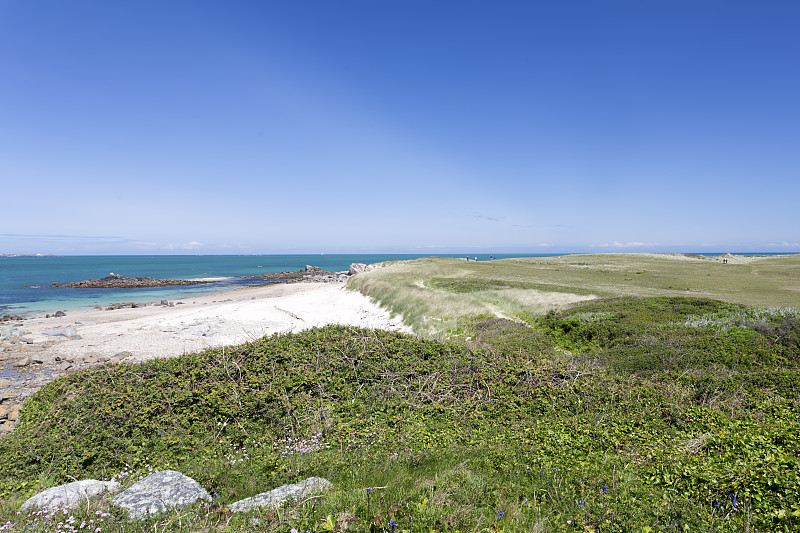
(201, 322)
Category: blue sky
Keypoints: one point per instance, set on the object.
(399, 126)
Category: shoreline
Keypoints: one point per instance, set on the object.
(146, 291)
(36, 351)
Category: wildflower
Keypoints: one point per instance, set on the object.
(499, 514)
(605, 488)
(293, 530)
(580, 503)
(392, 524)
(716, 504)
(735, 501)
(369, 490)
(526, 501)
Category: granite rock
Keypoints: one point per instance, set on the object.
(276, 497)
(70, 494)
(158, 493)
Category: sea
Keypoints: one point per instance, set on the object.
(25, 281)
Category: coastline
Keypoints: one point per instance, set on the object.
(43, 349)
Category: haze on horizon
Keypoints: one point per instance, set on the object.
(421, 127)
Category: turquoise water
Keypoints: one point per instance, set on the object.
(25, 281)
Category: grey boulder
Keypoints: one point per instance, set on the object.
(158, 493)
(276, 497)
(70, 494)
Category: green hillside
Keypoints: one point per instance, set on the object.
(622, 414)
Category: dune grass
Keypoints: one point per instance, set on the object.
(432, 293)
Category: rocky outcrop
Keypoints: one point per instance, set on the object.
(10, 405)
(357, 268)
(115, 281)
(309, 274)
(276, 497)
(71, 494)
(159, 492)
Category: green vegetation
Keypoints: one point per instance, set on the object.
(627, 414)
(640, 410)
(433, 294)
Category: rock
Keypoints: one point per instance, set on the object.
(120, 356)
(71, 494)
(115, 281)
(13, 414)
(159, 492)
(66, 332)
(63, 367)
(357, 268)
(23, 362)
(276, 497)
(60, 314)
(4, 412)
(4, 384)
(9, 331)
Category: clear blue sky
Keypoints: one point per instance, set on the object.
(399, 126)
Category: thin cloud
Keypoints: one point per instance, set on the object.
(58, 237)
(633, 244)
(186, 246)
(540, 226)
(489, 218)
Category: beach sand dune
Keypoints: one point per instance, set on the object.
(202, 322)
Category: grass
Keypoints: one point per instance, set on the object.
(629, 412)
(433, 293)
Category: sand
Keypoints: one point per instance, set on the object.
(197, 323)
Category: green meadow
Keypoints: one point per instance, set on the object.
(432, 293)
(595, 393)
